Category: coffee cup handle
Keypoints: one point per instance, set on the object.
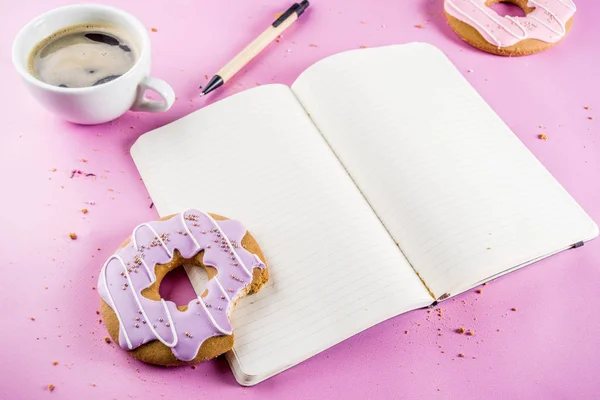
(164, 90)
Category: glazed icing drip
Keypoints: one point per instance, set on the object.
(546, 23)
(131, 270)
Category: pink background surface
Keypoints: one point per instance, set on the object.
(548, 348)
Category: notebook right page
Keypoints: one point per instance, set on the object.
(461, 195)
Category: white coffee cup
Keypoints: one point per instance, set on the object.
(94, 104)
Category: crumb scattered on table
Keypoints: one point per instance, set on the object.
(73, 236)
(55, 363)
(479, 291)
(363, 47)
(313, 45)
(53, 170)
(84, 210)
(461, 330)
(107, 340)
(590, 118)
(406, 332)
(587, 107)
(461, 355)
(470, 333)
(154, 30)
(514, 309)
(419, 26)
(543, 136)
(51, 387)
(32, 318)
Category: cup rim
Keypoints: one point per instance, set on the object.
(23, 71)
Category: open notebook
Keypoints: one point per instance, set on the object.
(378, 183)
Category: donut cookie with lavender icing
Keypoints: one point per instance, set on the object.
(546, 22)
(160, 332)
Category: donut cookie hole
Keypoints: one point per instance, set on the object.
(512, 8)
(157, 353)
(177, 288)
(162, 270)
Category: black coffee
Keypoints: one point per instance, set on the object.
(82, 56)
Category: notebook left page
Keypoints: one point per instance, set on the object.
(334, 270)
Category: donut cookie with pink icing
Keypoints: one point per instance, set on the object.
(546, 22)
(160, 332)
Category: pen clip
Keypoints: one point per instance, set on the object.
(297, 8)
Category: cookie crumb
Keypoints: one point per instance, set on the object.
(484, 284)
(313, 45)
(514, 309)
(107, 340)
(32, 318)
(97, 312)
(53, 170)
(93, 384)
(586, 107)
(93, 287)
(543, 136)
(479, 291)
(419, 26)
(461, 330)
(470, 333)
(461, 355)
(84, 210)
(73, 236)
(498, 330)
(154, 29)
(363, 47)
(55, 363)
(193, 367)
(99, 321)
(51, 387)
(406, 332)
(590, 118)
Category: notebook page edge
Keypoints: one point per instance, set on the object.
(251, 378)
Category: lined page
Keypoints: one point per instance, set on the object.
(334, 270)
(458, 191)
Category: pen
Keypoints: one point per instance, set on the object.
(281, 24)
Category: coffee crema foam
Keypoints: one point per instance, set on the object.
(82, 56)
